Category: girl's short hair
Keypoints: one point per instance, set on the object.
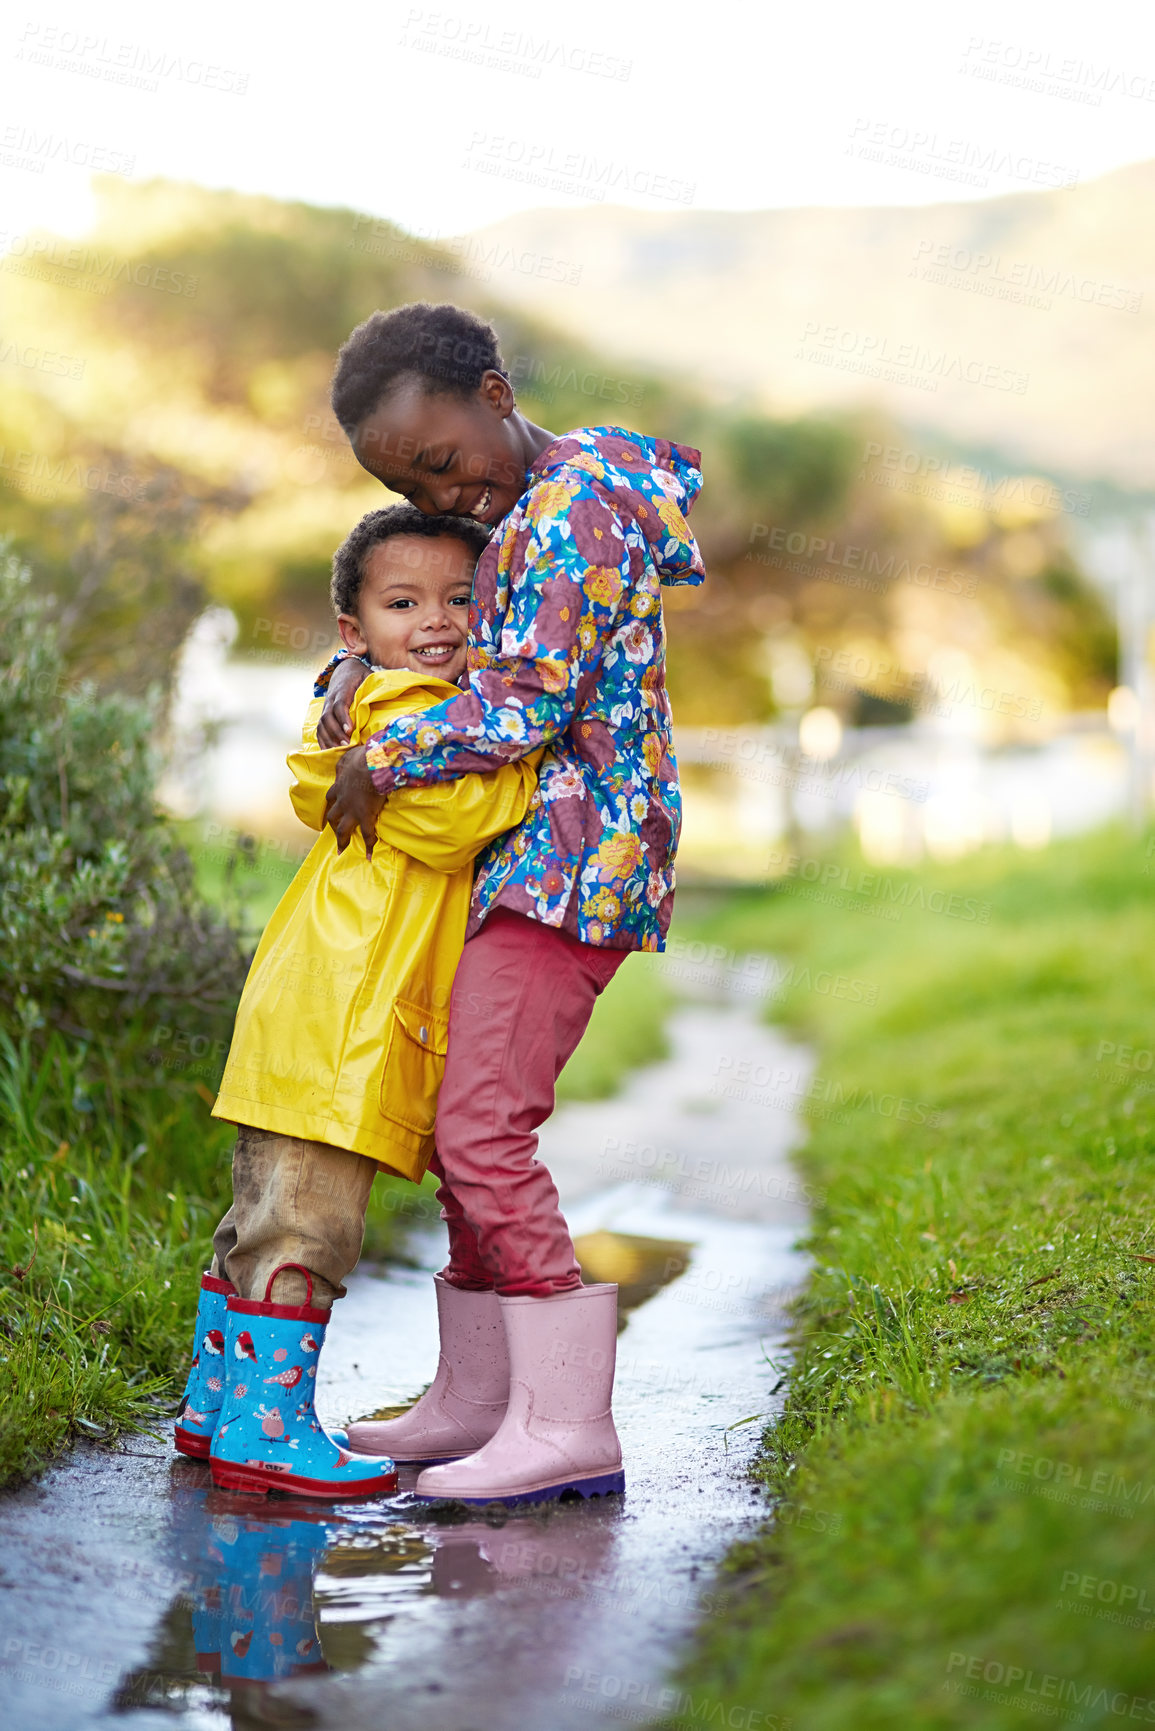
(449, 348)
(377, 526)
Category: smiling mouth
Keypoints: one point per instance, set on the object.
(436, 652)
(480, 510)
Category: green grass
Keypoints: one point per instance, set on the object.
(103, 1220)
(965, 1471)
(246, 875)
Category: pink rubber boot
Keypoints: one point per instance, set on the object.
(466, 1401)
(558, 1433)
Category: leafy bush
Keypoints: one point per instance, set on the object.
(111, 1175)
(104, 935)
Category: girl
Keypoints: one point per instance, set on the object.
(566, 651)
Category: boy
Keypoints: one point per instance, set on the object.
(340, 1035)
(567, 650)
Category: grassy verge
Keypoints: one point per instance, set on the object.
(965, 1472)
(243, 874)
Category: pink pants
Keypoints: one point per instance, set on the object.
(522, 997)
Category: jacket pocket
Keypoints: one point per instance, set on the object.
(414, 1066)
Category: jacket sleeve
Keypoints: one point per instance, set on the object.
(446, 824)
(314, 770)
(571, 570)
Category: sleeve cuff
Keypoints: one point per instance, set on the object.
(326, 673)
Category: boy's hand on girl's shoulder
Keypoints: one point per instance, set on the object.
(353, 802)
(335, 726)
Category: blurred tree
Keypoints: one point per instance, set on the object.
(790, 471)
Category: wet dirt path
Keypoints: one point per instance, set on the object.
(132, 1592)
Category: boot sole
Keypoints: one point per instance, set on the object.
(260, 1481)
(187, 1442)
(603, 1485)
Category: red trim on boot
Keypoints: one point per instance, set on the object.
(259, 1479)
(282, 1312)
(299, 1268)
(187, 1442)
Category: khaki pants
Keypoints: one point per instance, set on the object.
(293, 1201)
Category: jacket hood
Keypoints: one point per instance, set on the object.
(652, 481)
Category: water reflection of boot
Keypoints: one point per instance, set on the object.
(268, 1436)
(558, 1433)
(206, 1600)
(245, 1597)
(562, 1555)
(465, 1403)
(265, 1619)
(461, 1567)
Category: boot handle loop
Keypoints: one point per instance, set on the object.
(280, 1269)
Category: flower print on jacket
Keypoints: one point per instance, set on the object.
(637, 643)
(567, 649)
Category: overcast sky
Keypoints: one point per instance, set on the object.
(444, 119)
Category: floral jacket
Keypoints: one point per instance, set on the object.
(567, 648)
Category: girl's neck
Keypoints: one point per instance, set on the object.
(534, 440)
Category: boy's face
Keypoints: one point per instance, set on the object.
(413, 609)
(445, 453)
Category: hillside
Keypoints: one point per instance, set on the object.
(1023, 322)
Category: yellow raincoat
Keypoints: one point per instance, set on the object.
(341, 1030)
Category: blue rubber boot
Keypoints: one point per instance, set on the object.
(205, 1388)
(268, 1437)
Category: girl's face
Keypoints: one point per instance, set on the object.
(464, 455)
(413, 609)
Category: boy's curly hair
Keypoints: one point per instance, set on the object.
(377, 526)
(444, 345)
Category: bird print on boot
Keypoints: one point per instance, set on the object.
(271, 1421)
(213, 1346)
(287, 1378)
